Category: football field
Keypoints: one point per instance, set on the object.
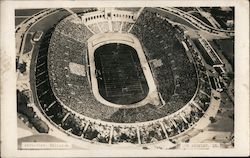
(119, 74)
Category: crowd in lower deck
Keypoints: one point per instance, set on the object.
(73, 92)
(176, 83)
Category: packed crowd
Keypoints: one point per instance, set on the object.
(175, 81)
(74, 92)
(126, 26)
(75, 30)
(202, 97)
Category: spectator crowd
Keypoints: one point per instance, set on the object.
(67, 100)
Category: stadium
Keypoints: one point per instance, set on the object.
(121, 75)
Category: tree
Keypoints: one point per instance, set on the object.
(22, 67)
(212, 119)
(40, 125)
(22, 101)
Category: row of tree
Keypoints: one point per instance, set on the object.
(26, 111)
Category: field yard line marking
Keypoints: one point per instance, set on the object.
(105, 83)
(137, 71)
(119, 95)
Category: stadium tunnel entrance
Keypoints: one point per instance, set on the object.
(119, 74)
